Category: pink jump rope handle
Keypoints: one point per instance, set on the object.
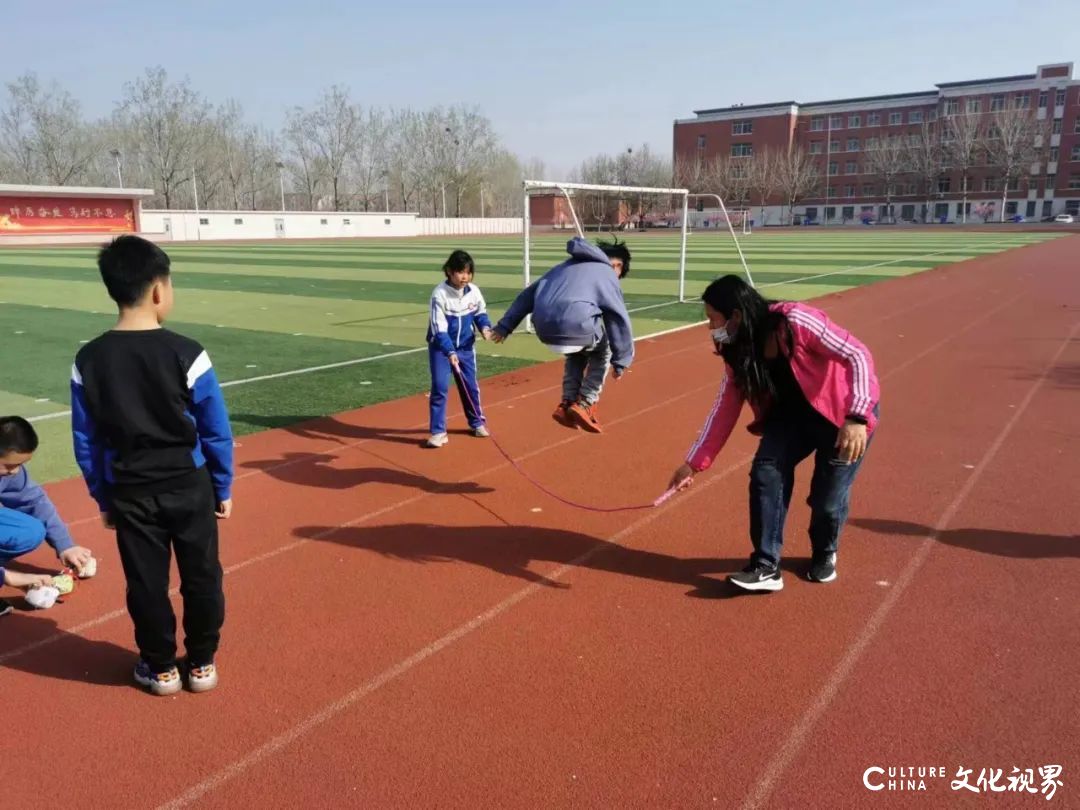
(665, 496)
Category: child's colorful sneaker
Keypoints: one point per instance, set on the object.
(562, 415)
(160, 683)
(481, 432)
(585, 416)
(437, 440)
(202, 679)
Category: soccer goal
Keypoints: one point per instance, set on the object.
(655, 222)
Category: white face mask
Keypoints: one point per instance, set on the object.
(720, 336)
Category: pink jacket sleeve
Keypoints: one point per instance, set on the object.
(718, 427)
(819, 335)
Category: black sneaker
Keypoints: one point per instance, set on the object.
(822, 568)
(758, 577)
(5, 607)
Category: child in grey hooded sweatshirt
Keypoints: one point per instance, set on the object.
(578, 311)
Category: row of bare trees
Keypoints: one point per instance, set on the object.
(927, 161)
(332, 155)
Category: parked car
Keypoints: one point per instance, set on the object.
(1064, 219)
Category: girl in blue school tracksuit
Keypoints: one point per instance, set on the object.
(457, 312)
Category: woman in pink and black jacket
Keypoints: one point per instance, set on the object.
(813, 390)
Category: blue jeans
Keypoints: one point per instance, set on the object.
(784, 444)
(441, 374)
(584, 373)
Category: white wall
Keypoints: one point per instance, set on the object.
(222, 225)
(189, 226)
(469, 226)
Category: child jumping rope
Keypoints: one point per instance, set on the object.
(457, 312)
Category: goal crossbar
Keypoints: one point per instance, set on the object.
(531, 186)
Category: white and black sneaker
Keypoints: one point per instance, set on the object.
(758, 577)
(822, 568)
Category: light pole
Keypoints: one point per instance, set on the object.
(195, 189)
(481, 201)
(116, 156)
(281, 183)
(385, 177)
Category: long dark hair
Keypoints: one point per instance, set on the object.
(746, 353)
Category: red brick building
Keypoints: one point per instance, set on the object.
(838, 134)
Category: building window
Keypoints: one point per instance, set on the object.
(848, 212)
(854, 121)
(346, 222)
(895, 118)
(836, 122)
(742, 127)
(816, 147)
(238, 221)
(1057, 126)
(997, 102)
(1030, 209)
(830, 212)
(700, 141)
(742, 150)
(1042, 99)
(204, 221)
(944, 184)
(973, 105)
(323, 221)
(851, 167)
(1051, 182)
(1055, 152)
(1023, 100)
(868, 189)
(990, 184)
(1014, 184)
(1059, 99)
(1075, 155)
(952, 106)
(871, 143)
(873, 120)
(853, 144)
(915, 117)
(831, 191)
(933, 115)
(834, 146)
(386, 222)
(833, 168)
(1074, 181)
(817, 123)
(849, 191)
(739, 172)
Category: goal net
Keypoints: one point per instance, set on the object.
(654, 222)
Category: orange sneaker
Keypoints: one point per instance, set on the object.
(562, 415)
(584, 415)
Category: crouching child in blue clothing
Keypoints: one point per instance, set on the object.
(458, 311)
(578, 311)
(27, 516)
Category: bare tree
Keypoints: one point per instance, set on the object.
(471, 142)
(888, 159)
(165, 126)
(370, 161)
(305, 164)
(764, 178)
(1016, 138)
(43, 135)
(926, 160)
(964, 139)
(333, 131)
(797, 176)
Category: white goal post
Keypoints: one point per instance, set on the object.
(567, 190)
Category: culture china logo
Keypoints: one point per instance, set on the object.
(1044, 780)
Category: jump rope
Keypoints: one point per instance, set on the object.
(521, 471)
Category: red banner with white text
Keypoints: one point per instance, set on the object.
(45, 215)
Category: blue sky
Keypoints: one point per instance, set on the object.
(560, 80)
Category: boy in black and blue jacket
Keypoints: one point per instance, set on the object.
(152, 438)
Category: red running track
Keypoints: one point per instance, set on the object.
(423, 628)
